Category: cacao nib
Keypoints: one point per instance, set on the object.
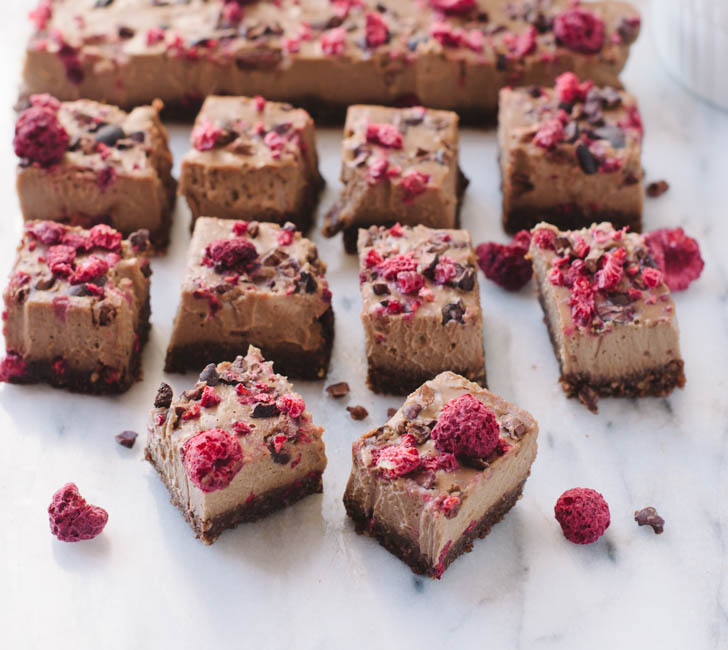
(265, 411)
(357, 412)
(657, 188)
(126, 438)
(338, 390)
(210, 375)
(110, 134)
(588, 163)
(648, 517)
(163, 400)
(453, 311)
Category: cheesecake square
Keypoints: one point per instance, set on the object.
(235, 447)
(84, 163)
(570, 155)
(610, 315)
(420, 306)
(77, 308)
(398, 165)
(250, 283)
(446, 467)
(252, 159)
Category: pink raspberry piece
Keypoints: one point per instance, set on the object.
(453, 6)
(396, 460)
(212, 458)
(569, 90)
(209, 397)
(376, 30)
(291, 404)
(549, 134)
(47, 232)
(60, 259)
(105, 236)
(466, 427)
(506, 265)
(72, 519)
(40, 137)
(12, 368)
(230, 254)
(579, 30)
(677, 256)
(393, 266)
(205, 135)
(652, 277)
(610, 275)
(414, 183)
(385, 135)
(333, 41)
(90, 269)
(583, 514)
(410, 281)
(581, 301)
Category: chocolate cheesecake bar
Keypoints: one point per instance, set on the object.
(397, 165)
(85, 163)
(323, 54)
(610, 314)
(250, 283)
(420, 306)
(252, 159)
(77, 308)
(448, 465)
(237, 446)
(570, 155)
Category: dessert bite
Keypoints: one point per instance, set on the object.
(398, 165)
(328, 54)
(570, 155)
(250, 283)
(450, 463)
(420, 306)
(86, 163)
(77, 308)
(252, 159)
(237, 446)
(609, 313)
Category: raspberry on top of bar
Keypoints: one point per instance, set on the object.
(610, 314)
(238, 445)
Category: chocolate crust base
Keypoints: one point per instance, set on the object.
(351, 233)
(288, 360)
(94, 382)
(396, 381)
(409, 552)
(260, 506)
(527, 218)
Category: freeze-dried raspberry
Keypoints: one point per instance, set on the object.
(212, 458)
(569, 90)
(41, 14)
(583, 514)
(373, 258)
(39, 136)
(205, 135)
(445, 270)
(396, 460)
(71, 518)
(376, 29)
(521, 44)
(230, 254)
(448, 505)
(579, 30)
(46, 101)
(396, 230)
(550, 133)
(106, 177)
(447, 35)
(240, 228)
(473, 40)
(291, 404)
(581, 248)
(209, 397)
(522, 239)
(105, 236)
(414, 183)
(466, 427)
(285, 237)
(154, 35)
(652, 277)
(275, 143)
(506, 265)
(582, 301)
(610, 275)
(677, 256)
(410, 281)
(241, 428)
(385, 135)
(12, 367)
(393, 266)
(60, 259)
(232, 13)
(394, 307)
(333, 41)
(90, 269)
(379, 169)
(453, 6)
(46, 232)
(633, 120)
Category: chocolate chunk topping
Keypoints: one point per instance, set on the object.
(588, 163)
(380, 289)
(411, 411)
(614, 134)
(195, 393)
(467, 282)
(139, 240)
(209, 375)
(338, 390)
(110, 134)
(474, 463)
(419, 432)
(628, 29)
(308, 282)
(45, 283)
(453, 311)
(163, 400)
(657, 188)
(265, 411)
(391, 412)
(102, 3)
(126, 438)
(648, 517)
(357, 412)
(137, 136)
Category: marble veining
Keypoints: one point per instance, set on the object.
(303, 578)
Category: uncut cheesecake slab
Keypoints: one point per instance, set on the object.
(117, 170)
(421, 498)
(252, 159)
(398, 165)
(609, 313)
(321, 54)
(237, 446)
(250, 283)
(77, 308)
(420, 306)
(570, 155)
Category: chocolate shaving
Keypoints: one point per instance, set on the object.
(587, 161)
(412, 410)
(126, 438)
(338, 390)
(657, 188)
(648, 517)
(210, 375)
(110, 134)
(357, 412)
(163, 400)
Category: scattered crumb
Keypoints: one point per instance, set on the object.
(648, 517)
(391, 411)
(357, 412)
(657, 188)
(126, 438)
(338, 390)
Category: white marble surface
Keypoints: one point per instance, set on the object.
(303, 578)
